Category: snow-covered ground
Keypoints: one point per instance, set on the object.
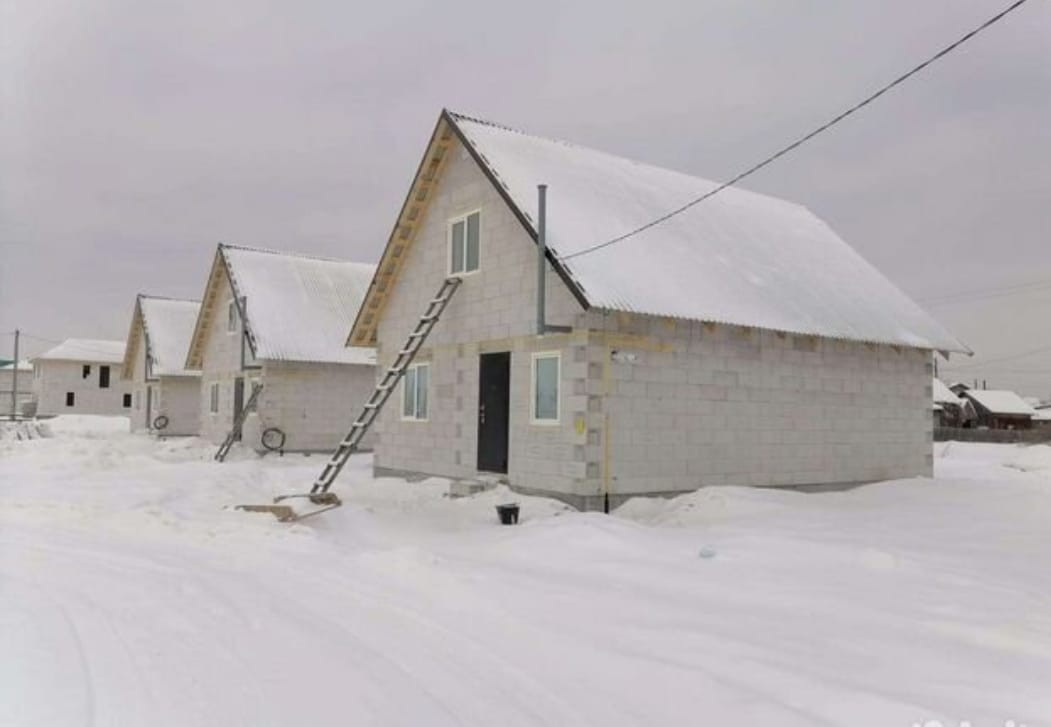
(130, 594)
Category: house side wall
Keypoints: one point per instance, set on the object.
(682, 405)
(314, 404)
(179, 399)
(56, 378)
(220, 363)
(25, 388)
(138, 384)
(494, 310)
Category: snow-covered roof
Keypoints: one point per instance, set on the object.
(167, 326)
(85, 349)
(23, 365)
(943, 394)
(1001, 401)
(296, 307)
(1043, 414)
(739, 257)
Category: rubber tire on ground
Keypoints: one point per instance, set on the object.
(272, 439)
(161, 422)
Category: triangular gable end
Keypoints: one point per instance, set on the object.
(219, 273)
(428, 175)
(136, 333)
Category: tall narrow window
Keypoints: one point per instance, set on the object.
(546, 374)
(414, 392)
(213, 404)
(127, 401)
(70, 398)
(231, 317)
(103, 377)
(464, 243)
(85, 371)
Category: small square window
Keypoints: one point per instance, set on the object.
(127, 401)
(465, 243)
(85, 371)
(231, 317)
(414, 392)
(70, 398)
(545, 385)
(103, 377)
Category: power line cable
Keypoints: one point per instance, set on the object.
(982, 294)
(802, 140)
(1002, 359)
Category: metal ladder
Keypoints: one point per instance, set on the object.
(239, 420)
(319, 494)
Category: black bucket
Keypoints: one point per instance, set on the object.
(508, 514)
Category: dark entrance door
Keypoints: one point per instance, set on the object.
(239, 402)
(494, 405)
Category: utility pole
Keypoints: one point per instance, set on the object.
(14, 382)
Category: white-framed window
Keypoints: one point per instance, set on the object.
(465, 243)
(414, 404)
(231, 317)
(213, 400)
(545, 405)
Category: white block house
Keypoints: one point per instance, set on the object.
(81, 376)
(280, 321)
(165, 395)
(741, 342)
(23, 398)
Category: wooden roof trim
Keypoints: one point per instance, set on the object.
(403, 234)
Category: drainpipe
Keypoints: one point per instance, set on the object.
(542, 326)
(541, 257)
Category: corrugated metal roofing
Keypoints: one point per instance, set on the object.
(169, 326)
(300, 308)
(740, 257)
(85, 349)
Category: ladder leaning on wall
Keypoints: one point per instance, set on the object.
(239, 420)
(319, 494)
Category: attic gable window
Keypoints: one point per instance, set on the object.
(464, 243)
(231, 317)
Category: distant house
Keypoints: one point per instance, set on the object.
(949, 409)
(280, 321)
(741, 342)
(1000, 409)
(81, 376)
(7, 383)
(166, 396)
(1042, 418)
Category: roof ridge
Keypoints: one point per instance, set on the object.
(285, 253)
(147, 296)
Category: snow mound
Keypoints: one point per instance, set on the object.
(19, 431)
(87, 426)
(1036, 458)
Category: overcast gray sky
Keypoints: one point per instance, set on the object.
(135, 135)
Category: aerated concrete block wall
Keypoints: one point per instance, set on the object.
(688, 404)
(494, 310)
(314, 404)
(222, 365)
(179, 399)
(55, 378)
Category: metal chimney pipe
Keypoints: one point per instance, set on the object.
(541, 257)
